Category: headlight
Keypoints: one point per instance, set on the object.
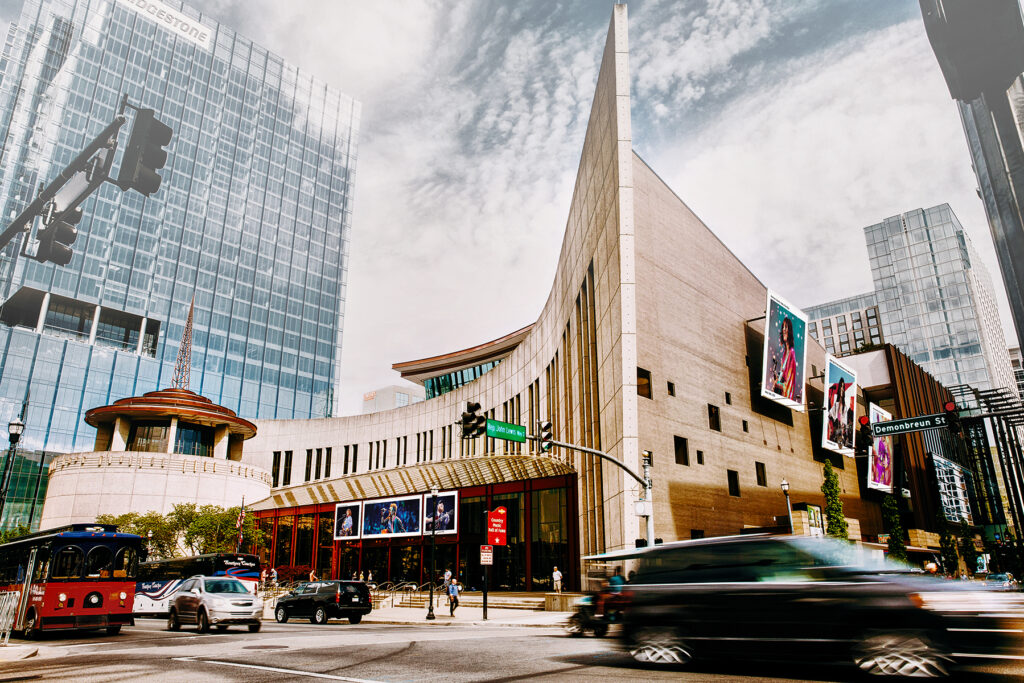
(62, 597)
(94, 598)
(122, 595)
(986, 602)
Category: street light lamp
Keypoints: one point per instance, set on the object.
(433, 532)
(15, 428)
(789, 506)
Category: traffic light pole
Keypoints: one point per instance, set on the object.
(644, 481)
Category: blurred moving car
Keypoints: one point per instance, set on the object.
(214, 601)
(323, 600)
(792, 597)
(1004, 582)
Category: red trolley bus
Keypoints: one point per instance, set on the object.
(80, 576)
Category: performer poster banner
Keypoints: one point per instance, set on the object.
(880, 454)
(392, 517)
(346, 521)
(785, 351)
(840, 407)
(445, 511)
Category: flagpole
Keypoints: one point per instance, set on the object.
(240, 525)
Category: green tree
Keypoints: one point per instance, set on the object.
(14, 532)
(835, 519)
(164, 542)
(213, 529)
(947, 544)
(894, 526)
(967, 549)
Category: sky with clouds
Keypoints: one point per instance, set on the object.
(787, 125)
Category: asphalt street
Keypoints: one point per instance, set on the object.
(378, 652)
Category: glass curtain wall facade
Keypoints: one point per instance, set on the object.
(252, 219)
(936, 299)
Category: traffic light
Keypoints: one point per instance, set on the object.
(953, 418)
(144, 155)
(473, 424)
(546, 436)
(57, 236)
(864, 435)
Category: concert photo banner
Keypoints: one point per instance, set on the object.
(880, 454)
(346, 521)
(785, 353)
(393, 517)
(442, 510)
(840, 418)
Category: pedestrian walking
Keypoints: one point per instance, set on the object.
(312, 575)
(263, 579)
(273, 577)
(556, 579)
(453, 596)
(447, 579)
(362, 576)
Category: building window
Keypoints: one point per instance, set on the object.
(401, 399)
(682, 451)
(327, 462)
(286, 479)
(696, 533)
(148, 437)
(746, 426)
(700, 457)
(841, 324)
(319, 462)
(857, 324)
(728, 399)
(762, 475)
(344, 464)
(714, 419)
(276, 469)
(671, 389)
(826, 327)
(830, 344)
(643, 383)
(309, 463)
(355, 457)
(194, 439)
(734, 483)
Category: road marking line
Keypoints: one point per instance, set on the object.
(294, 672)
(105, 642)
(979, 656)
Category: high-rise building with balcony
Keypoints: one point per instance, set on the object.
(252, 221)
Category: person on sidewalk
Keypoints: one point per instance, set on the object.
(312, 576)
(556, 578)
(453, 596)
(447, 579)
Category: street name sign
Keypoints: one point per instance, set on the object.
(497, 429)
(910, 424)
(486, 555)
(496, 526)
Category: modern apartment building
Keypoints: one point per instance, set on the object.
(390, 397)
(933, 298)
(846, 325)
(1017, 363)
(252, 221)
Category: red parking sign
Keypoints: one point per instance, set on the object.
(497, 523)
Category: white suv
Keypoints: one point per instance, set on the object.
(214, 600)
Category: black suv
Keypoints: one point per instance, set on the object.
(769, 597)
(323, 600)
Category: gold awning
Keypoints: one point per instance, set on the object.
(444, 474)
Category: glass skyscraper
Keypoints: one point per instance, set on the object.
(252, 220)
(936, 300)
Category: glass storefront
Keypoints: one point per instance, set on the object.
(540, 536)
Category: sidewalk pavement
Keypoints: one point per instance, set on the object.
(12, 653)
(464, 616)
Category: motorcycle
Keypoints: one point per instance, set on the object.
(586, 617)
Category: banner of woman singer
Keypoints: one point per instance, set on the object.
(393, 517)
(785, 353)
(346, 521)
(880, 453)
(840, 407)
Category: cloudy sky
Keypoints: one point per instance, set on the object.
(787, 125)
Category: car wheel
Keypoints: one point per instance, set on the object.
(281, 614)
(255, 628)
(173, 624)
(31, 631)
(355, 618)
(202, 622)
(574, 627)
(113, 630)
(907, 653)
(319, 616)
(654, 645)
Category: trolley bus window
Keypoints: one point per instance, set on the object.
(97, 563)
(67, 563)
(42, 564)
(126, 563)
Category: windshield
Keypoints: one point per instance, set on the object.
(832, 552)
(225, 586)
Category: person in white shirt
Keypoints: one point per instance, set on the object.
(556, 577)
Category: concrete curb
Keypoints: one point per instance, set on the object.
(13, 653)
(489, 622)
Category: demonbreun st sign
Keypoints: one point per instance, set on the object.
(909, 424)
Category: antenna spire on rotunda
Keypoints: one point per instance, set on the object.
(183, 365)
